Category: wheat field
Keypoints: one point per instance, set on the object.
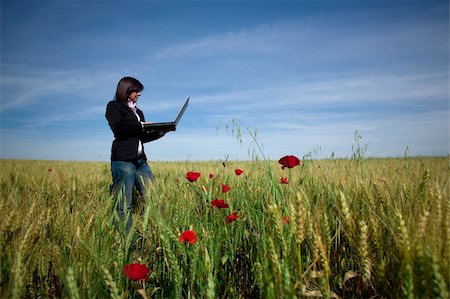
(340, 228)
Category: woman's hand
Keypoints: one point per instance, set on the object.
(163, 132)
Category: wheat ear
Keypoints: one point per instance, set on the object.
(273, 256)
(300, 219)
(114, 291)
(211, 286)
(366, 265)
(346, 213)
(72, 284)
(407, 271)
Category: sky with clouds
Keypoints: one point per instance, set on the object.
(304, 76)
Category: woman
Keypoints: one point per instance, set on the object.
(129, 166)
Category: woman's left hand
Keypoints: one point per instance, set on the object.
(161, 133)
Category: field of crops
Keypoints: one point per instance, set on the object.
(338, 228)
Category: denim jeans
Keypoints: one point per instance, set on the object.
(126, 176)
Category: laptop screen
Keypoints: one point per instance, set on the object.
(180, 114)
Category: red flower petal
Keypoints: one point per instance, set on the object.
(289, 161)
(188, 236)
(238, 171)
(284, 181)
(232, 217)
(219, 203)
(136, 271)
(225, 188)
(211, 175)
(192, 176)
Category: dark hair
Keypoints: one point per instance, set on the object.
(125, 87)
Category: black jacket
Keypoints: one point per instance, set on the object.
(127, 131)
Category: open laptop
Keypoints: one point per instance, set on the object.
(167, 126)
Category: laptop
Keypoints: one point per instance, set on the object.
(167, 126)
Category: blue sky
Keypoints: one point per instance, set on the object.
(305, 74)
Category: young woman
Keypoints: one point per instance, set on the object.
(129, 166)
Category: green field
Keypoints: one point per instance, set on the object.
(347, 228)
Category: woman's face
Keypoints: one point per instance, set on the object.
(134, 96)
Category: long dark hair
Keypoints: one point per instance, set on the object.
(125, 87)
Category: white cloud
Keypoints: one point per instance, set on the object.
(26, 86)
(260, 39)
(347, 90)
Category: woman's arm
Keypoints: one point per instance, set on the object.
(122, 127)
(150, 135)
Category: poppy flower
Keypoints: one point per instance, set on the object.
(284, 181)
(211, 175)
(136, 271)
(232, 217)
(225, 188)
(192, 176)
(286, 220)
(289, 161)
(188, 236)
(238, 171)
(219, 203)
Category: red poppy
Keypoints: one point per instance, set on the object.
(225, 188)
(289, 161)
(211, 175)
(232, 217)
(284, 181)
(219, 203)
(238, 171)
(136, 271)
(286, 220)
(192, 176)
(188, 236)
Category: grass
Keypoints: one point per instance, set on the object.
(348, 228)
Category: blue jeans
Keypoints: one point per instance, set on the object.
(126, 176)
